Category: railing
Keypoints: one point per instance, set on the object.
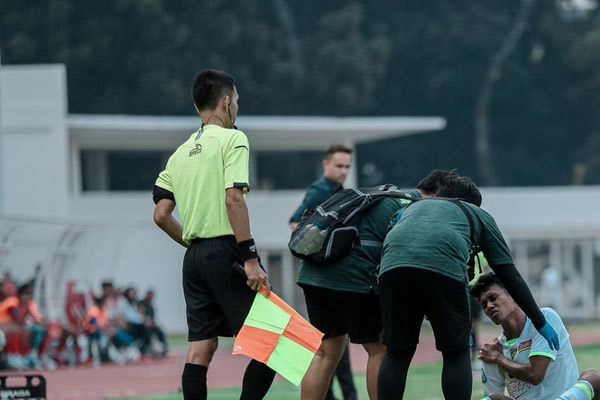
(562, 272)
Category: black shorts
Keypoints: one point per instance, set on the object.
(336, 313)
(410, 294)
(217, 297)
(476, 309)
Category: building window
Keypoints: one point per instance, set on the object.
(116, 170)
(121, 170)
(287, 169)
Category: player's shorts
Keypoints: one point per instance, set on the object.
(336, 313)
(476, 310)
(216, 295)
(410, 294)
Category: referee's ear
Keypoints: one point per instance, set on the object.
(224, 103)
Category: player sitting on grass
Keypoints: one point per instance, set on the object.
(586, 388)
(521, 360)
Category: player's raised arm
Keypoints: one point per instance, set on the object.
(498, 255)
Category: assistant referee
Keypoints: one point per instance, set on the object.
(206, 178)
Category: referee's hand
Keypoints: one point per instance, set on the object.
(257, 278)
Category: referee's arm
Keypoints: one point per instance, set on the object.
(163, 217)
(236, 174)
(164, 201)
(237, 212)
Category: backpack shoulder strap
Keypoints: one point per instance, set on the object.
(467, 213)
(372, 196)
(475, 245)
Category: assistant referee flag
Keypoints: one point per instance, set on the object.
(276, 335)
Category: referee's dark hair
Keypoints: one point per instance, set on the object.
(431, 183)
(461, 187)
(484, 282)
(209, 87)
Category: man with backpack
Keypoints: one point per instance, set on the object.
(336, 166)
(424, 273)
(342, 298)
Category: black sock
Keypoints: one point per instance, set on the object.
(193, 382)
(391, 380)
(257, 381)
(457, 378)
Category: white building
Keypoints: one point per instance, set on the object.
(68, 204)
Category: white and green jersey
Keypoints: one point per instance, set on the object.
(562, 372)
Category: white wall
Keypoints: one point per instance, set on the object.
(34, 159)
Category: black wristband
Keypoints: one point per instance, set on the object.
(247, 249)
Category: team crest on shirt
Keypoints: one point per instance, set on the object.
(196, 150)
(524, 346)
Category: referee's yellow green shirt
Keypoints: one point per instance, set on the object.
(199, 172)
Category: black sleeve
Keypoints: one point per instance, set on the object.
(518, 289)
(159, 193)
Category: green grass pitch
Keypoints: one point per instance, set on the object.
(423, 383)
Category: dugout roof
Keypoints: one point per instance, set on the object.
(264, 132)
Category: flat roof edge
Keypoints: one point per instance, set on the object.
(133, 122)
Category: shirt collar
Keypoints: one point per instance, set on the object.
(331, 183)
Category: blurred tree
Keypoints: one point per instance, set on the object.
(484, 96)
(344, 63)
(537, 99)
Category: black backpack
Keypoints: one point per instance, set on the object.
(328, 233)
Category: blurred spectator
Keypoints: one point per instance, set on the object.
(27, 311)
(146, 307)
(110, 296)
(28, 314)
(97, 329)
(9, 286)
(21, 316)
(114, 327)
(76, 308)
(7, 303)
(134, 319)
